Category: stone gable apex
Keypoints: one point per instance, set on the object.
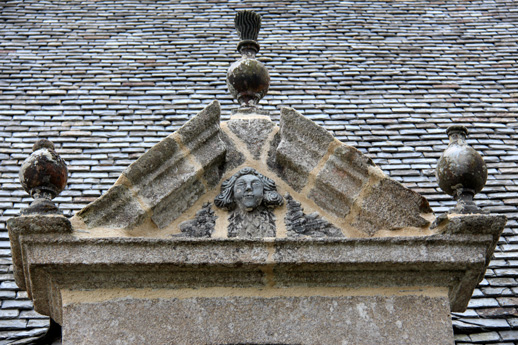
(333, 184)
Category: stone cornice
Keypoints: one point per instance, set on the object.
(47, 261)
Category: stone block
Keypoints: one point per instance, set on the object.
(201, 127)
(40, 224)
(254, 132)
(481, 224)
(178, 201)
(201, 136)
(32, 225)
(160, 185)
(159, 157)
(118, 208)
(12, 324)
(167, 179)
(9, 313)
(485, 337)
(212, 174)
(341, 180)
(302, 145)
(249, 319)
(509, 335)
(390, 206)
(17, 304)
(233, 158)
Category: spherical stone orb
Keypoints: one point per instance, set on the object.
(43, 143)
(248, 81)
(460, 166)
(44, 171)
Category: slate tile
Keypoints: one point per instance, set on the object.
(462, 72)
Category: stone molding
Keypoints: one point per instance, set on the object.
(49, 262)
(177, 176)
(166, 180)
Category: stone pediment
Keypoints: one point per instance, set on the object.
(328, 189)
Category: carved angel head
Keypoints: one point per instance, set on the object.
(247, 189)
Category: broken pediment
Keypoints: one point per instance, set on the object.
(222, 227)
(332, 189)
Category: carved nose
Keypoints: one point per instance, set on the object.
(248, 187)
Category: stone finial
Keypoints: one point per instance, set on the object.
(461, 171)
(248, 80)
(43, 175)
(248, 24)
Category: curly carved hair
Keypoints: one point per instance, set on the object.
(271, 198)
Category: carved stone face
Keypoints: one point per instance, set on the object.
(248, 192)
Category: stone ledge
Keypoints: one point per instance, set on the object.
(27, 225)
(51, 262)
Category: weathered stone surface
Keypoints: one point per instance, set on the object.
(303, 144)
(32, 224)
(271, 159)
(212, 174)
(233, 157)
(118, 208)
(262, 320)
(167, 179)
(56, 262)
(39, 224)
(390, 206)
(164, 169)
(300, 224)
(183, 197)
(341, 180)
(202, 225)
(253, 132)
(202, 127)
(201, 136)
(165, 153)
(474, 224)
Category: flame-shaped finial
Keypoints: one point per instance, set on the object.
(247, 79)
(248, 24)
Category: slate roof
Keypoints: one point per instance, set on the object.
(105, 80)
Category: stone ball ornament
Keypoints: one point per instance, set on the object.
(43, 175)
(248, 81)
(461, 171)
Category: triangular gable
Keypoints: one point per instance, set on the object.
(334, 185)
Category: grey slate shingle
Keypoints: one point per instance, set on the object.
(107, 80)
